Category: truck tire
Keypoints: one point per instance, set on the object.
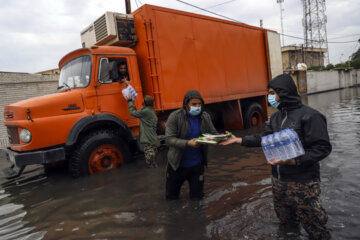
(98, 152)
(254, 116)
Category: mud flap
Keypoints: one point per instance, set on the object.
(10, 173)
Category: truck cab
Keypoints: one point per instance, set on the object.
(86, 121)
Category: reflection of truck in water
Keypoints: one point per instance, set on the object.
(167, 52)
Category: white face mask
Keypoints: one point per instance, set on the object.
(272, 101)
(194, 111)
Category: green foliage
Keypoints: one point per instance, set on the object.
(355, 63)
(355, 55)
(329, 67)
(343, 65)
(315, 68)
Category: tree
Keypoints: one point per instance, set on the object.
(356, 55)
(355, 63)
(329, 67)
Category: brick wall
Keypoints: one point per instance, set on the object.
(19, 86)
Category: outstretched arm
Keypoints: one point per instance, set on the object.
(133, 111)
(231, 140)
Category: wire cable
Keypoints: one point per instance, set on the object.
(203, 9)
(317, 40)
(220, 4)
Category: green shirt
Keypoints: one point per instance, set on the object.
(148, 123)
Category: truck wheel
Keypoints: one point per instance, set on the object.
(98, 152)
(254, 116)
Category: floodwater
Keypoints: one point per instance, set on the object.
(128, 203)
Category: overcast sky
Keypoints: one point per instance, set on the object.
(36, 34)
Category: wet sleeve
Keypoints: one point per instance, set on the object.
(172, 132)
(135, 113)
(255, 140)
(316, 143)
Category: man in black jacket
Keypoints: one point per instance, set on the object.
(296, 182)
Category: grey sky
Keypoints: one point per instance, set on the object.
(35, 35)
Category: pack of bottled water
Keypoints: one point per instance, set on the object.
(282, 145)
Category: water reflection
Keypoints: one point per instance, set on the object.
(128, 203)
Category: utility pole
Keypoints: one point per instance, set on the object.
(303, 54)
(281, 20)
(128, 6)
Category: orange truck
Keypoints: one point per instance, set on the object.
(167, 52)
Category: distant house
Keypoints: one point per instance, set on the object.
(312, 57)
(49, 72)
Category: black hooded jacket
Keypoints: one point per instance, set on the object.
(309, 124)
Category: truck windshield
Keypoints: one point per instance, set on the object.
(76, 73)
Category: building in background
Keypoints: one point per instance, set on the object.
(50, 71)
(293, 55)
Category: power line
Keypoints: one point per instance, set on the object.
(346, 36)
(316, 40)
(220, 4)
(203, 9)
(337, 34)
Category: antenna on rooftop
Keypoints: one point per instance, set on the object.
(314, 22)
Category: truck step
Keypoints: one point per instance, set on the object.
(10, 173)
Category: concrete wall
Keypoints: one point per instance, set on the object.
(355, 77)
(331, 80)
(345, 79)
(322, 81)
(19, 86)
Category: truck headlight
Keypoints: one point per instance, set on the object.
(25, 135)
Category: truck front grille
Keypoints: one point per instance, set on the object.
(13, 135)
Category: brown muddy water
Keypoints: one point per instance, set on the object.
(128, 203)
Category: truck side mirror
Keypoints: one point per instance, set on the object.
(104, 71)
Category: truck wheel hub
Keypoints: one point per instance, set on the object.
(256, 119)
(105, 157)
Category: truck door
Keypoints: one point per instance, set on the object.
(110, 98)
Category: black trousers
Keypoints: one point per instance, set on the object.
(175, 179)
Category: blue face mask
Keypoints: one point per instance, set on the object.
(272, 101)
(194, 111)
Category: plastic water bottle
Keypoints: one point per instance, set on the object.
(279, 144)
(274, 147)
(297, 143)
(288, 144)
(266, 147)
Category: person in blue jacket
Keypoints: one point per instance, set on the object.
(186, 158)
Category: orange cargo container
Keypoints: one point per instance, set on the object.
(167, 52)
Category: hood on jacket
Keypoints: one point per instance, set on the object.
(286, 89)
(192, 94)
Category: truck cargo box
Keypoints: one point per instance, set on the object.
(178, 51)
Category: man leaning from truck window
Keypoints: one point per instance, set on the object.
(296, 182)
(123, 72)
(148, 125)
(186, 158)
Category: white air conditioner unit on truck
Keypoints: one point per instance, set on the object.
(110, 29)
